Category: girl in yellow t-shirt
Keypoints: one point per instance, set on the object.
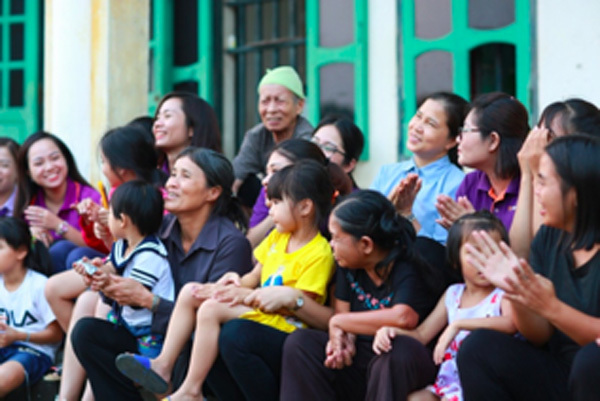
(295, 255)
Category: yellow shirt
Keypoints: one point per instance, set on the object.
(308, 269)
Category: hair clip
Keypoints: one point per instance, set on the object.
(334, 197)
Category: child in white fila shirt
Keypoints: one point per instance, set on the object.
(29, 332)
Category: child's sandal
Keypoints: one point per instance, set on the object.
(137, 368)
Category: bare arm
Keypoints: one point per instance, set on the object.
(426, 331)
(368, 322)
(520, 230)
(252, 279)
(50, 334)
(257, 233)
(272, 299)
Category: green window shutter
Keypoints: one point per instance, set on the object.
(166, 74)
(354, 53)
(460, 42)
(19, 68)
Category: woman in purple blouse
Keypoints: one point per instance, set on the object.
(493, 133)
(50, 188)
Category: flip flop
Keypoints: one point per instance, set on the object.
(137, 368)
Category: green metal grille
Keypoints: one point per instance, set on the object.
(459, 42)
(355, 53)
(19, 68)
(165, 75)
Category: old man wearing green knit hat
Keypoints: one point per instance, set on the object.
(280, 102)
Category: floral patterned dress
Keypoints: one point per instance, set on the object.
(447, 383)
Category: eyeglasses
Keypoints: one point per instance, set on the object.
(465, 130)
(327, 147)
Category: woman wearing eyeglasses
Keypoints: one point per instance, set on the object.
(414, 184)
(493, 133)
(341, 141)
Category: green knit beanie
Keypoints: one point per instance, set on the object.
(285, 76)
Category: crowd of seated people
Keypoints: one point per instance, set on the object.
(467, 271)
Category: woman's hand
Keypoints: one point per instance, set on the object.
(89, 210)
(42, 235)
(203, 291)
(127, 291)
(497, 262)
(230, 278)
(340, 349)
(532, 149)
(451, 210)
(404, 194)
(272, 299)
(444, 342)
(38, 216)
(231, 294)
(533, 290)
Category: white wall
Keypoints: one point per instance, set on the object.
(383, 90)
(67, 76)
(568, 50)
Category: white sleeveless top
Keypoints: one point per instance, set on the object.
(447, 383)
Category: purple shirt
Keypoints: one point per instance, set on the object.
(260, 210)
(9, 206)
(75, 193)
(478, 190)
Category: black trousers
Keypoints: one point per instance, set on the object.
(249, 363)
(97, 343)
(391, 376)
(495, 366)
(406, 368)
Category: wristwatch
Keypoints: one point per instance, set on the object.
(299, 303)
(62, 228)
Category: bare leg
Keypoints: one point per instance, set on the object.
(211, 315)
(61, 291)
(423, 395)
(179, 331)
(12, 374)
(73, 375)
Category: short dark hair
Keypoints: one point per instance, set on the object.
(369, 213)
(482, 220)
(200, 117)
(219, 173)
(352, 137)
(144, 123)
(16, 234)
(142, 202)
(128, 147)
(575, 159)
(306, 179)
(456, 109)
(298, 149)
(574, 115)
(27, 188)
(501, 113)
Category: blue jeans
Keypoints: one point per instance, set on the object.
(63, 253)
